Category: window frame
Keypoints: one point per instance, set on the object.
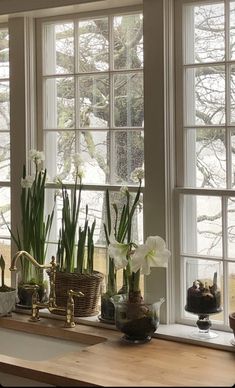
(180, 187)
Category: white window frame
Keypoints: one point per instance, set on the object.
(180, 188)
(158, 129)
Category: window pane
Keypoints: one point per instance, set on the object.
(231, 227)
(205, 95)
(4, 54)
(4, 156)
(59, 148)
(59, 103)
(232, 29)
(233, 156)
(128, 100)
(204, 33)
(93, 45)
(137, 223)
(94, 152)
(232, 96)
(4, 106)
(5, 211)
(206, 271)
(58, 48)
(5, 249)
(231, 287)
(128, 154)
(202, 228)
(128, 41)
(94, 101)
(92, 147)
(205, 158)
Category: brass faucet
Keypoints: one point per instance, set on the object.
(51, 304)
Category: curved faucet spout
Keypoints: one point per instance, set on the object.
(29, 258)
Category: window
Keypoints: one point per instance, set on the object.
(205, 79)
(92, 99)
(4, 146)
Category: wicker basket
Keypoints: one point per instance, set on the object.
(89, 284)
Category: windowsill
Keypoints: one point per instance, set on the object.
(171, 332)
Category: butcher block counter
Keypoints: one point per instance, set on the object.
(105, 360)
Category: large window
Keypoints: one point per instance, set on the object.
(92, 98)
(207, 132)
(4, 147)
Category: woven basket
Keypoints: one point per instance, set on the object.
(89, 284)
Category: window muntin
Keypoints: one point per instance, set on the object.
(207, 222)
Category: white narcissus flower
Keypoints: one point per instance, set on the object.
(118, 252)
(151, 254)
(137, 175)
(124, 190)
(36, 156)
(27, 181)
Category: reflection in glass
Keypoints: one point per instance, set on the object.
(58, 48)
(205, 95)
(4, 106)
(128, 154)
(202, 233)
(205, 33)
(59, 103)
(4, 156)
(232, 95)
(5, 210)
(232, 29)
(128, 41)
(231, 227)
(4, 53)
(128, 100)
(94, 101)
(93, 45)
(205, 158)
(231, 287)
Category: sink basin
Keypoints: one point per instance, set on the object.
(35, 347)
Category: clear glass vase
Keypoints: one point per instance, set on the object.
(137, 320)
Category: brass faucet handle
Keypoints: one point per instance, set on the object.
(75, 293)
(70, 308)
(33, 287)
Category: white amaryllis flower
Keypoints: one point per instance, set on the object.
(151, 254)
(118, 252)
(137, 175)
(27, 181)
(36, 156)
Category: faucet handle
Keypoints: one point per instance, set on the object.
(75, 293)
(70, 308)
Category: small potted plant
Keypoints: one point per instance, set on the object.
(7, 294)
(119, 230)
(75, 253)
(32, 236)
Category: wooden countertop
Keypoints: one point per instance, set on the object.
(108, 361)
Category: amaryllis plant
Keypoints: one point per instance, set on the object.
(138, 259)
